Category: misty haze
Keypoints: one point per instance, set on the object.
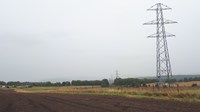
(88, 39)
(99, 56)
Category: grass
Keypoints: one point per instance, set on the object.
(185, 93)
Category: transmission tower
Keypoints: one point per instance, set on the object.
(163, 66)
(117, 74)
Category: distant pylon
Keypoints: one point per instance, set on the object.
(117, 74)
(163, 65)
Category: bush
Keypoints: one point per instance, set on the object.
(164, 86)
(194, 85)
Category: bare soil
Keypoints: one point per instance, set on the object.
(11, 101)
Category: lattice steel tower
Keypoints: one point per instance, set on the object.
(163, 66)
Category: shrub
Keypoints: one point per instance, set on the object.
(164, 86)
(194, 85)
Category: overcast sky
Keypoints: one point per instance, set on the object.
(91, 39)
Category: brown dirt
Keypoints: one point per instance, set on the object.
(11, 101)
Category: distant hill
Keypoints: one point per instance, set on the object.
(177, 77)
(181, 77)
(56, 80)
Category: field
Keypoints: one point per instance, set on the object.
(182, 93)
(57, 102)
(97, 99)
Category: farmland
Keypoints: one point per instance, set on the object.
(98, 99)
(182, 93)
(58, 102)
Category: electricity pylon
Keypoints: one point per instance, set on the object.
(117, 74)
(163, 65)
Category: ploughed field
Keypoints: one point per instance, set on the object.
(11, 101)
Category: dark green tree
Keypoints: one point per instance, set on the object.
(105, 83)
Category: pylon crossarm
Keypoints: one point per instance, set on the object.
(151, 22)
(155, 35)
(155, 22)
(156, 7)
(167, 21)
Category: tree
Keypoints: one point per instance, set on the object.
(86, 83)
(2, 83)
(105, 83)
(185, 79)
(11, 83)
(133, 82)
(66, 83)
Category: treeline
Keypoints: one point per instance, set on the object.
(128, 82)
(184, 79)
(190, 79)
(18, 83)
(86, 83)
(133, 82)
(103, 83)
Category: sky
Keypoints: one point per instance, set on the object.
(91, 39)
